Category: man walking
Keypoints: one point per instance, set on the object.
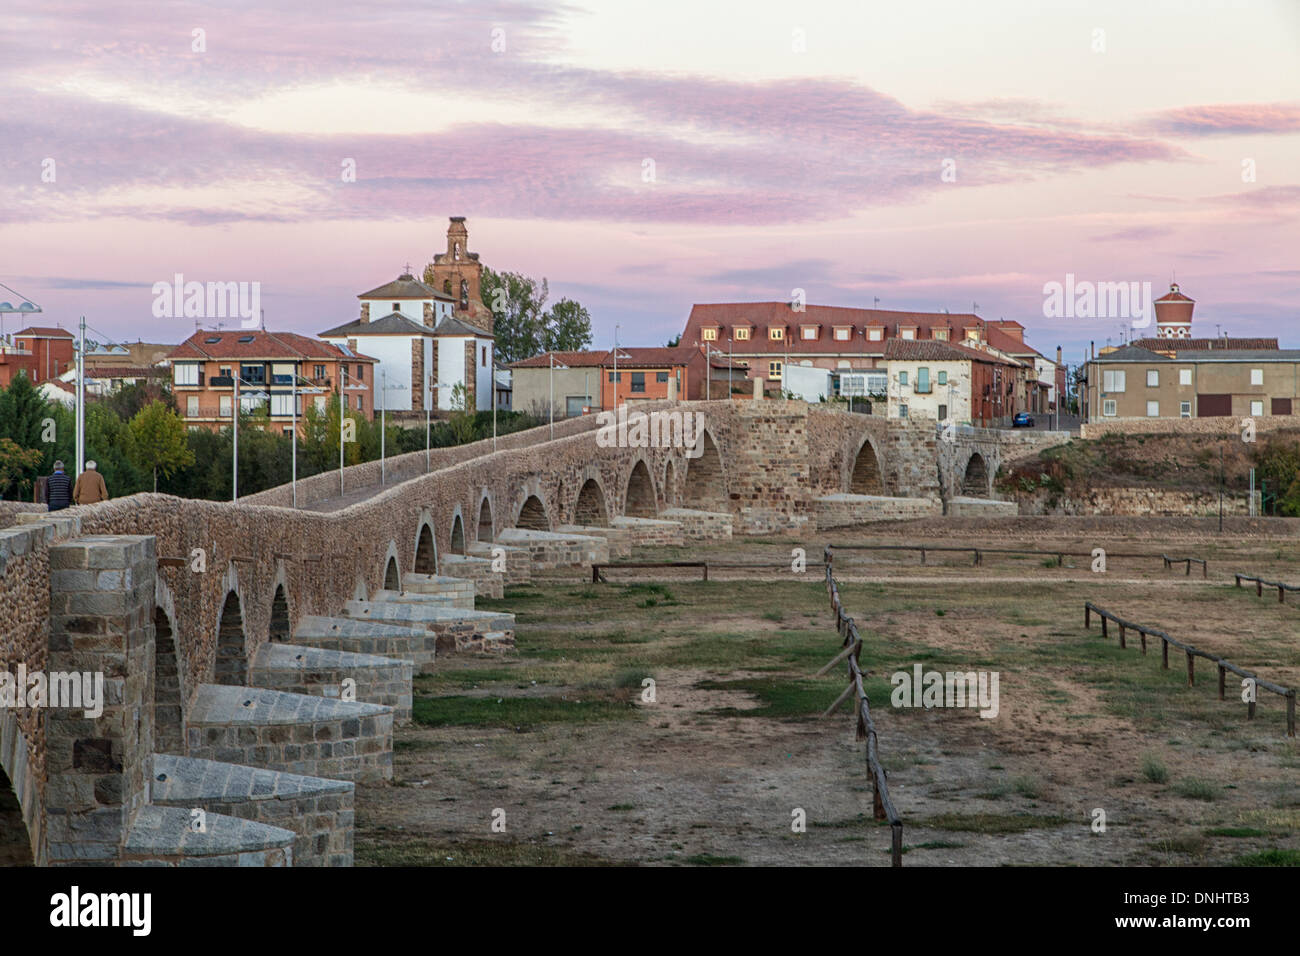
(58, 489)
(90, 487)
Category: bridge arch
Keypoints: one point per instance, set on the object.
(532, 515)
(457, 545)
(866, 475)
(280, 630)
(639, 500)
(15, 842)
(706, 480)
(976, 481)
(426, 547)
(231, 666)
(591, 507)
(392, 569)
(485, 530)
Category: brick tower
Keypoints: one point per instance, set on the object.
(457, 272)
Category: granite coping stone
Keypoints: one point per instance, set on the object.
(223, 704)
(178, 780)
(300, 657)
(167, 831)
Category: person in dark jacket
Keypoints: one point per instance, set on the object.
(58, 489)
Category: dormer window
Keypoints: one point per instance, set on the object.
(808, 332)
(397, 307)
(876, 335)
(740, 334)
(907, 332)
(842, 334)
(941, 334)
(710, 335)
(776, 334)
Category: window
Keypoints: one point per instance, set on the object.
(187, 374)
(661, 378)
(225, 371)
(1108, 407)
(941, 334)
(361, 373)
(320, 403)
(943, 378)
(615, 377)
(281, 404)
(1257, 408)
(318, 371)
(972, 335)
(1153, 378)
(224, 410)
(710, 335)
(360, 404)
(1256, 376)
(1153, 409)
(923, 380)
(1184, 409)
(943, 412)
(192, 406)
(902, 378)
(774, 369)
(902, 411)
(740, 334)
(908, 333)
(397, 307)
(484, 362)
(253, 374)
(638, 381)
(574, 404)
(809, 331)
(875, 335)
(1184, 376)
(776, 335)
(842, 335)
(1112, 380)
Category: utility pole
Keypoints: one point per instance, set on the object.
(81, 399)
(293, 435)
(234, 425)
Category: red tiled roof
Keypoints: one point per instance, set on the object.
(1173, 295)
(933, 350)
(264, 345)
(569, 359)
(40, 331)
(1193, 345)
(125, 371)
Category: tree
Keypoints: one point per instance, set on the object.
(523, 325)
(567, 327)
(32, 423)
(464, 425)
(16, 466)
(675, 341)
(157, 441)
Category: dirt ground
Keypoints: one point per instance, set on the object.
(556, 742)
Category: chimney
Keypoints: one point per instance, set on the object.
(365, 313)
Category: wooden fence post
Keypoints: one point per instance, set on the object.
(1191, 670)
(1144, 642)
(1122, 643)
(1105, 632)
(1164, 653)
(1290, 714)
(1087, 617)
(1223, 671)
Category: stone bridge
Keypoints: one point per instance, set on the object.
(255, 656)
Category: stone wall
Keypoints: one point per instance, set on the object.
(1132, 501)
(1218, 425)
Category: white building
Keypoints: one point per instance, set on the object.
(421, 347)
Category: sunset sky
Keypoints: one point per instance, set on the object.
(794, 145)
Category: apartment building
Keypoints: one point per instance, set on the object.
(770, 335)
(1133, 382)
(269, 367)
(944, 381)
(38, 352)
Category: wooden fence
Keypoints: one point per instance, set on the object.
(1192, 653)
(882, 806)
(1060, 556)
(1261, 583)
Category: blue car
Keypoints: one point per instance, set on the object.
(1022, 420)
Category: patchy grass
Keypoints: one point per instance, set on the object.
(516, 712)
(409, 849)
(1154, 769)
(996, 823)
(708, 859)
(1195, 789)
(1235, 832)
(1273, 857)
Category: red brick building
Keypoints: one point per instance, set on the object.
(205, 364)
(43, 353)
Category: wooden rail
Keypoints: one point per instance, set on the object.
(1261, 583)
(980, 551)
(598, 577)
(1170, 562)
(882, 806)
(1224, 666)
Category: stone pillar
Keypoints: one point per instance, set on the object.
(365, 312)
(433, 378)
(417, 374)
(101, 623)
(672, 387)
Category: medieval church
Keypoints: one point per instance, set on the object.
(432, 338)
